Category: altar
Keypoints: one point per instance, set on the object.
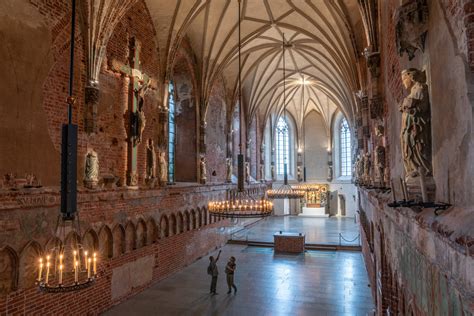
(316, 200)
(313, 211)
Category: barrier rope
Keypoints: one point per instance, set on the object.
(347, 240)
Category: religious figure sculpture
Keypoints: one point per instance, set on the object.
(203, 170)
(228, 163)
(367, 169)
(247, 172)
(272, 171)
(163, 176)
(150, 161)
(262, 172)
(415, 132)
(140, 114)
(380, 163)
(91, 172)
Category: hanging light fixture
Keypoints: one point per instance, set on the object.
(240, 204)
(71, 267)
(285, 191)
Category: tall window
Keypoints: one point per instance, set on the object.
(171, 133)
(345, 148)
(282, 146)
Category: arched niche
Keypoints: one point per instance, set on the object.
(193, 219)
(29, 264)
(180, 226)
(141, 234)
(173, 225)
(90, 241)
(164, 227)
(130, 237)
(187, 221)
(151, 230)
(118, 234)
(8, 270)
(105, 243)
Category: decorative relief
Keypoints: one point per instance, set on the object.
(376, 107)
(411, 27)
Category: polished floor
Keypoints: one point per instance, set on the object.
(317, 230)
(313, 283)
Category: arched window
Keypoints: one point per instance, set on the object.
(171, 133)
(282, 145)
(345, 148)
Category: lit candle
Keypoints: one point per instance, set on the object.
(61, 259)
(85, 259)
(60, 274)
(89, 268)
(47, 270)
(95, 263)
(40, 272)
(75, 256)
(76, 271)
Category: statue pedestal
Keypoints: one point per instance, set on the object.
(91, 184)
(414, 188)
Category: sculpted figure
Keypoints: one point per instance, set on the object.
(415, 131)
(140, 115)
(272, 170)
(91, 172)
(262, 173)
(367, 168)
(163, 176)
(203, 170)
(247, 172)
(150, 160)
(380, 163)
(228, 163)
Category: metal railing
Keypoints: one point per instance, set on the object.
(342, 238)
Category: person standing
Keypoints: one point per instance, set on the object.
(212, 271)
(229, 271)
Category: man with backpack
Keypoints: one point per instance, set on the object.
(212, 271)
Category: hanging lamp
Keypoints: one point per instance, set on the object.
(240, 204)
(68, 267)
(285, 191)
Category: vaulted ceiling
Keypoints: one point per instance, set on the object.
(323, 41)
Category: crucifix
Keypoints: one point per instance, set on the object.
(138, 86)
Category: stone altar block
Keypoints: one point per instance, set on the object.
(289, 242)
(314, 212)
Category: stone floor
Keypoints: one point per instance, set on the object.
(313, 283)
(318, 230)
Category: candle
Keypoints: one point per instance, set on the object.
(89, 268)
(85, 259)
(40, 269)
(95, 263)
(47, 272)
(60, 274)
(61, 259)
(76, 271)
(75, 254)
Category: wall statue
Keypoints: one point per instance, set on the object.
(228, 163)
(367, 168)
(415, 131)
(203, 170)
(247, 172)
(150, 160)
(140, 114)
(163, 171)
(91, 171)
(272, 171)
(262, 172)
(380, 163)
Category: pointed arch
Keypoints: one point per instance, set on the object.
(130, 237)
(173, 225)
(90, 241)
(193, 219)
(205, 215)
(180, 225)
(141, 234)
(164, 226)
(118, 234)
(28, 267)
(151, 231)
(106, 247)
(198, 218)
(187, 221)
(8, 270)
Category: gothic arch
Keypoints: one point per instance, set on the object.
(193, 219)
(173, 225)
(151, 231)
(118, 234)
(187, 221)
(198, 218)
(205, 215)
(141, 234)
(180, 223)
(164, 226)
(130, 237)
(28, 267)
(90, 241)
(8, 270)
(106, 247)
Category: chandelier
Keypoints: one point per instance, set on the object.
(68, 267)
(240, 204)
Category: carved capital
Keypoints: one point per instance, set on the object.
(376, 107)
(373, 62)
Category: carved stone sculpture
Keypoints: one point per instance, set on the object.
(262, 172)
(411, 27)
(163, 176)
(247, 172)
(203, 170)
(91, 171)
(140, 114)
(228, 163)
(380, 163)
(367, 168)
(272, 171)
(150, 161)
(415, 131)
